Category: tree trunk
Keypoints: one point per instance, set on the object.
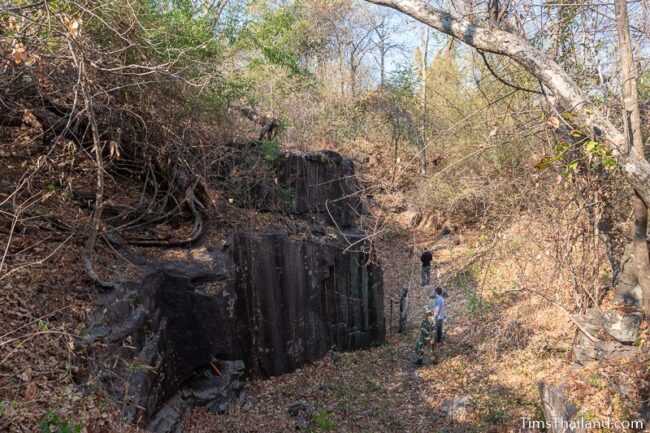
(422, 141)
(634, 167)
(632, 122)
(382, 54)
(353, 75)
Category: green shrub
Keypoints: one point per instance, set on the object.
(52, 423)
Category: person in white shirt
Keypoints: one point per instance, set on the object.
(439, 313)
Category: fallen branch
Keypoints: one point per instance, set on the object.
(270, 125)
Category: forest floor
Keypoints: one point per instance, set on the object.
(382, 389)
(46, 305)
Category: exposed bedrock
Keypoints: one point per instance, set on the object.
(262, 304)
(300, 298)
(323, 188)
(610, 336)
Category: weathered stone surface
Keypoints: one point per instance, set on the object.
(558, 410)
(627, 290)
(622, 326)
(280, 303)
(457, 407)
(314, 295)
(586, 351)
(320, 187)
(609, 329)
(204, 389)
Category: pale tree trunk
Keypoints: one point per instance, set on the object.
(422, 139)
(382, 63)
(341, 74)
(634, 167)
(632, 122)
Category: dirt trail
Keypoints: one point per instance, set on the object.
(374, 390)
(383, 390)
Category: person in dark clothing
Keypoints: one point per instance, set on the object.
(426, 258)
(403, 309)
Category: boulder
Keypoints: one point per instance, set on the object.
(586, 351)
(622, 326)
(608, 324)
(205, 389)
(558, 410)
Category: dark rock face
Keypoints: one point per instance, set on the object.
(210, 388)
(320, 187)
(314, 295)
(277, 304)
(264, 304)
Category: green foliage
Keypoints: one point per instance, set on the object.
(323, 422)
(288, 193)
(276, 35)
(643, 86)
(396, 234)
(595, 381)
(539, 413)
(497, 416)
(402, 84)
(181, 25)
(42, 326)
(52, 423)
(597, 156)
(558, 155)
(271, 150)
(600, 155)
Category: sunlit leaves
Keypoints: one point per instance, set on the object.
(73, 25)
(595, 156)
(599, 154)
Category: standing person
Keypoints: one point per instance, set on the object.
(426, 258)
(439, 313)
(403, 309)
(426, 333)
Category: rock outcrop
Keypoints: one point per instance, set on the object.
(314, 295)
(610, 333)
(262, 304)
(320, 187)
(609, 336)
(627, 290)
(558, 409)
